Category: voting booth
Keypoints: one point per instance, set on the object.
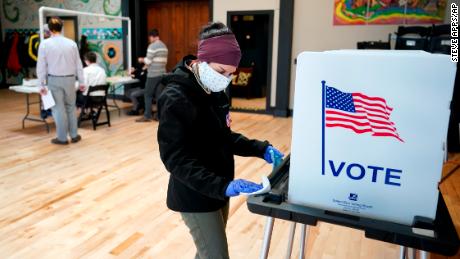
(369, 132)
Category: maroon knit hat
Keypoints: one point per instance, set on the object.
(222, 49)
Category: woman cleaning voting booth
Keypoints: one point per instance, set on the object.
(215, 129)
(197, 144)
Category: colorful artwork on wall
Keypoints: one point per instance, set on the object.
(360, 12)
(386, 12)
(103, 33)
(350, 12)
(428, 11)
(23, 13)
(20, 15)
(109, 56)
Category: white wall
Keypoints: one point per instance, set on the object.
(220, 9)
(313, 31)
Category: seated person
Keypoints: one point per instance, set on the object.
(93, 75)
(136, 94)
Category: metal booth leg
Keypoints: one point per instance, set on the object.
(402, 252)
(291, 240)
(267, 238)
(411, 253)
(303, 238)
(424, 255)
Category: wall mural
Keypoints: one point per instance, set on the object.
(110, 55)
(360, 12)
(102, 33)
(107, 42)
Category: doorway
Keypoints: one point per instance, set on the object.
(69, 26)
(250, 87)
(179, 23)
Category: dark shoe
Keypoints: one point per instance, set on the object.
(143, 119)
(133, 113)
(155, 116)
(43, 114)
(58, 142)
(76, 139)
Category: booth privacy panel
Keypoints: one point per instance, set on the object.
(369, 130)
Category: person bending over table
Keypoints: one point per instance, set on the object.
(136, 93)
(156, 60)
(57, 65)
(197, 144)
(93, 75)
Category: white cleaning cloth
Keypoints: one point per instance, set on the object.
(266, 187)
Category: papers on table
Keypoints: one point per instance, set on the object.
(48, 100)
(120, 80)
(30, 82)
(266, 187)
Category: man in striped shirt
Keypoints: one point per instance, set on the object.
(156, 59)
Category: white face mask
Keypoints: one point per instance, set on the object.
(211, 79)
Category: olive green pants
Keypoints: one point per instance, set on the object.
(208, 232)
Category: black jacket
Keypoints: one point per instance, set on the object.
(196, 145)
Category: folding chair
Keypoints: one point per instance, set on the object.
(95, 104)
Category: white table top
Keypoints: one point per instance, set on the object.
(120, 80)
(30, 82)
(27, 89)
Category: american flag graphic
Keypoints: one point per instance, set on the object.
(359, 113)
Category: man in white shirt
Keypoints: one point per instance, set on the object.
(93, 75)
(57, 66)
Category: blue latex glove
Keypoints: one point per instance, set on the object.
(273, 155)
(239, 185)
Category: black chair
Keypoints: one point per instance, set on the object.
(93, 105)
(374, 45)
(440, 39)
(412, 37)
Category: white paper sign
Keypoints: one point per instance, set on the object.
(48, 100)
(369, 130)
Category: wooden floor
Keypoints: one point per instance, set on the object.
(105, 196)
(258, 104)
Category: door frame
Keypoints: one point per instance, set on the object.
(137, 11)
(270, 14)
